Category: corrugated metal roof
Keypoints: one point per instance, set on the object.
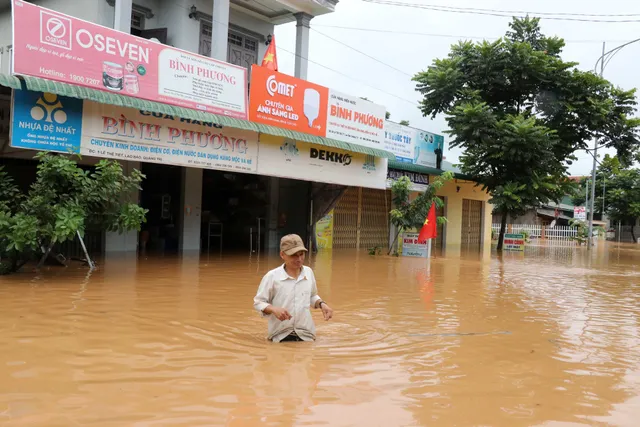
(103, 97)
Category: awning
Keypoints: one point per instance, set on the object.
(411, 167)
(103, 97)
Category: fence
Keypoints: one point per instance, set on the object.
(564, 234)
(557, 235)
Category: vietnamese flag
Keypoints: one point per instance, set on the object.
(429, 229)
(270, 59)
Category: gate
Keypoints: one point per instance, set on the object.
(361, 219)
(471, 224)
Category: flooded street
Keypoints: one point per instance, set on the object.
(549, 338)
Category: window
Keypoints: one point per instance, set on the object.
(137, 23)
(242, 49)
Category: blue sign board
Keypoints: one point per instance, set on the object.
(427, 147)
(46, 122)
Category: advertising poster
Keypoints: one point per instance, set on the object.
(46, 122)
(580, 212)
(324, 231)
(287, 102)
(55, 46)
(55, 123)
(287, 158)
(426, 147)
(411, 247)
(400, 140)
(355, 120)
(513, 242)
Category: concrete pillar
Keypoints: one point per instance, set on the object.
(220, 29)
(190, 210)
(302, 44)
(125, 242)
(122, 21)
(272, 214)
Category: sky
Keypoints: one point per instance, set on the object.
(388, 57)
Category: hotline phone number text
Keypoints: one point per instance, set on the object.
(86, 80)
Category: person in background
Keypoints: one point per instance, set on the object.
(286, 293)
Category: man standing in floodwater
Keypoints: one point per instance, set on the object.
(286, 293)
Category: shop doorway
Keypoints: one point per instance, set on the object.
(361, 219)
(161, 196)
(234, 211)
(471, 224)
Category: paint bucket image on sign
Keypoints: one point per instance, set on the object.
(112, 76)
(131, 85)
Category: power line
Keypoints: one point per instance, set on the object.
(362, 53)
(502, 15)
(341, 73)
(452, 36)
(511, 12)
(351, 78)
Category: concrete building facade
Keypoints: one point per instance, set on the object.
(233, 31)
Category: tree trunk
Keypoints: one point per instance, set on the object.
(46, 254)
(395, 240)
(633, 235)
(503, 228)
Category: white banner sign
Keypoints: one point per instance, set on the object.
(580, 212)
(411, 247)
(400, 140)
(299, 160)
(126, 133)
(354, 120)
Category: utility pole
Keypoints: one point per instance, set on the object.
(595, 165)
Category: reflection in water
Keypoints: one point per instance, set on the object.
(548, 338)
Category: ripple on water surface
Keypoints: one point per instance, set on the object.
(463, 340)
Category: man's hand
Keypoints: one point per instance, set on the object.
(280, 313)
(327, 311)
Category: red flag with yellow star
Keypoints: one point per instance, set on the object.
(270, 59)
(430, 228)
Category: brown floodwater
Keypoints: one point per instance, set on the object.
(549, 338)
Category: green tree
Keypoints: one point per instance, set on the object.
(520, 112)
(404, 122)
(63, 202)
(621, 187)
(409, 215)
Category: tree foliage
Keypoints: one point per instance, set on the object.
(64, 200)
(409, 215)
(520, 112)
(620, 187)
(404, 122)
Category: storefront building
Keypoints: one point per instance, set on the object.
(233, 171)
(360, 218)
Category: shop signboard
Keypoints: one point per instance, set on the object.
(281, 100)
(426, 148)
(514, 242)
(56, 123)
(580, 213)
(287, 158)
(355, 120)
(287, 102)
(58, 47)
(400, 140)
(324, 231)
(411, 247)
(419, 181)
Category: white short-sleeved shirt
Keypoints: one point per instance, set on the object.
(296, 295)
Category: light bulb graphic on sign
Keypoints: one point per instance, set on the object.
(311, 105)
